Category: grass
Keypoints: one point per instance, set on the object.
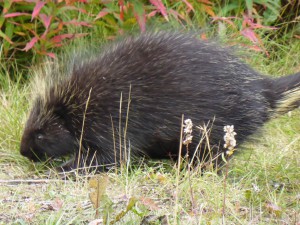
(262, 185)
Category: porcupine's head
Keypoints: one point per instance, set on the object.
(45, 134)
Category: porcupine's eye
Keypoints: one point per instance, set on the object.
(39, 137)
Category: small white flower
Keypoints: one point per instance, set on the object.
(188, 126)
(188, 139)
(188, 129)
(229, 138)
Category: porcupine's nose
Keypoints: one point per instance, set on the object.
(27, 151)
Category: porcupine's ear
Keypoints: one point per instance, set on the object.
(60, 111)
(57, 103)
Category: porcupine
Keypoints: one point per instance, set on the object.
(160, 76)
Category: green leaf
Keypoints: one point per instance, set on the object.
(7, 5)
(9, 30)
(129, 207)
(1, 21)
(249, 5)
(248, 195)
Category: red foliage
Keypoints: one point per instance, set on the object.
(160, 7)
(38, 6)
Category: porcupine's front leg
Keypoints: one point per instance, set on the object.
(83, 163)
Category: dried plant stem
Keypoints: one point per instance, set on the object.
(224, 191)
(127, 157)
(82, 130)
(206, 132)
(120, 129)
(30, 181)
(126, 124)
(178, 171)
(114, 142)
(190, 184)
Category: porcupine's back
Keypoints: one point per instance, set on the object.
(169, 74)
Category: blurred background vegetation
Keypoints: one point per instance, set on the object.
(31, 29)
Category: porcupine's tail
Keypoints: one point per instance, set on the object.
(284, 93)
